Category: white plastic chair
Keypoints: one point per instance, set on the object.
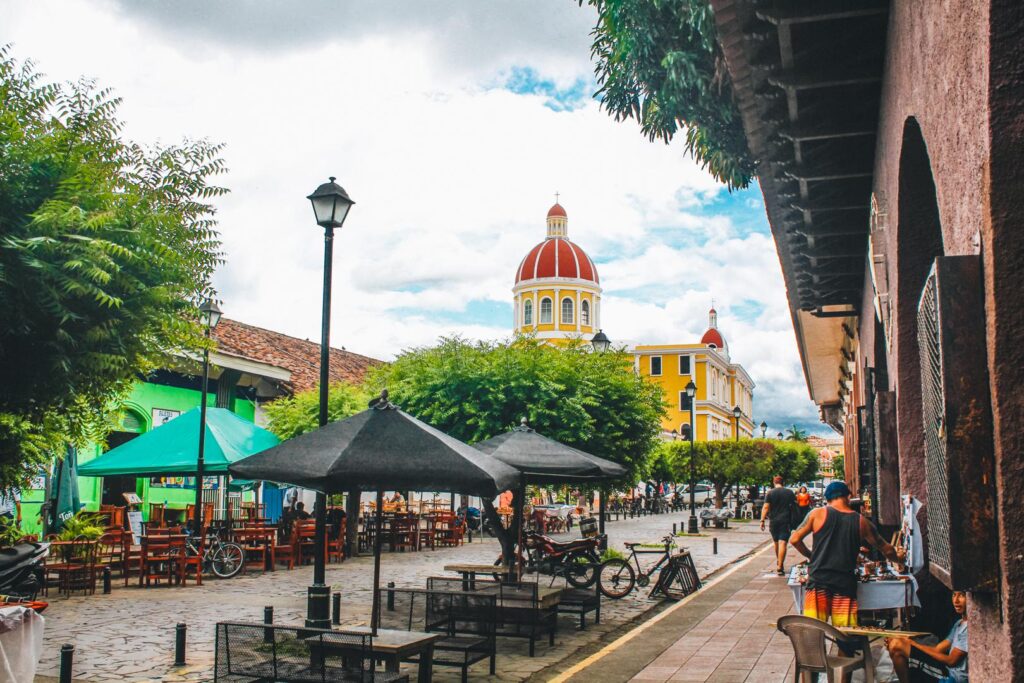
(747, 511)
(810, 637)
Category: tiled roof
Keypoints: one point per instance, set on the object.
(300, 356)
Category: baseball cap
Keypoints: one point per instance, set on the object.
(836, 489)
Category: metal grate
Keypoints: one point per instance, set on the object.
(933, 414)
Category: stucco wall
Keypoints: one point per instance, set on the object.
(956, 68)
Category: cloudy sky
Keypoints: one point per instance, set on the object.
(452, 124)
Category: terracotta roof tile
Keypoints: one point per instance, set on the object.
(300, 356)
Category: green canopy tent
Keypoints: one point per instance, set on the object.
(172, 448)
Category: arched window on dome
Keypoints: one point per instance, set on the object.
(528, 312)
(585, 312)
(545, 311)
(567, 311)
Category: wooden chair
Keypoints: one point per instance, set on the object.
(403, 533)
(193, 563)
(190, 512)
(156, 515)
(74, 565)
(288, 551)
(255, 546)
(110, 550)
(114, 515)
(161, 557)
(427, 532)
(305, 530)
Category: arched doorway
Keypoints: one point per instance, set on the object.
(918, 242)
(133, 423)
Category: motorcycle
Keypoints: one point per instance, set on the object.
(21, 571)
(577, 560)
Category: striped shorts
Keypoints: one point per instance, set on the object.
(824, 605)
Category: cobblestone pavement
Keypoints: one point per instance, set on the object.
(129, 634)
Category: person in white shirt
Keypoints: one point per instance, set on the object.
(10, 506)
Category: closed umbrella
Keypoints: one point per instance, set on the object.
(377, 449)
(65, 499)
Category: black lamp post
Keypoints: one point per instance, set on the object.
(330, 206)
(737, 413)
(209, 314)
(780, 436)
(601, 343)
(764, 428)
(691, 394)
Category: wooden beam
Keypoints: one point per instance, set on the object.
(808, 80)
(802, 12)
(828, 131)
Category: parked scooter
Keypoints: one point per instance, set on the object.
(21, 570)
(577, 560)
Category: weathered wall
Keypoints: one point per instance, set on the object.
(956, 68)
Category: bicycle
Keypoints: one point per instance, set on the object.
(617, 578)
(223, 558)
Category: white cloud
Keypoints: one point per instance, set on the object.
(451, 173)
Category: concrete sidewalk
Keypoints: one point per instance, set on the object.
(724, 633)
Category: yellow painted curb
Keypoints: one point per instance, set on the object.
(622, 640)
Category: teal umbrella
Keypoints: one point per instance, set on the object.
(65, 500)
(172, 448)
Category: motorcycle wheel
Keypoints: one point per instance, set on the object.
(227, 560)
(615, 578)
(581, 568)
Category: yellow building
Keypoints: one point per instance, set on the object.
(557, 294)
(721, 384)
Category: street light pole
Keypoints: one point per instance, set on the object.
(330, 206)
(764, 428)
(601, 342)
(210, 315)
(737, 413)
(691, 393)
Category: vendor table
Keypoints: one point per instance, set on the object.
(871, 595)
(393, 646)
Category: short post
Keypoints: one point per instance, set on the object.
(179, 644)
(67, 656)
(673, 528)
(268, 618)
(336, 609)
(714, 545)
(106, 580)
(391, 596)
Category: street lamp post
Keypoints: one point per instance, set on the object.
(601, 343)
(330, 206)
(691, 394)
(780, 436)
(764, 428)
(737, 413)
(209, 315)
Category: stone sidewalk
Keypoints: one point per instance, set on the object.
(725, 633)
(129, 634)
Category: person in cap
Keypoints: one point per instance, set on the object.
(839, 532)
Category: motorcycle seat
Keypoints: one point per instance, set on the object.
(582, 544)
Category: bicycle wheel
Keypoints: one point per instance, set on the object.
(615, 578)
(581, 568)
(227, 560)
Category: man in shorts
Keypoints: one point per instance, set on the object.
(779, 507)
(946, 662)
(839, 532)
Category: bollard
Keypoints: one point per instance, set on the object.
(714, 545)
(179, 644)
(106, 580)
(336, 609)
(673, 528)
(268, 618)
(391, 597)
(67, 656)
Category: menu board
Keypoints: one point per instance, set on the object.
(135, 524)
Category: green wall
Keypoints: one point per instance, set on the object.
(144, 398)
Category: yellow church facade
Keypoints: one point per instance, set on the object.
(557, 297)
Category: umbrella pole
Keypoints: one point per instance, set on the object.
(374, 617)
(520, 522)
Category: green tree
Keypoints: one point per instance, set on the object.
(474, 391)
(298, 414)
(660, 63)
(106, 247)
(794, 433)
(724, 464)
(838, 467)
(794, 461)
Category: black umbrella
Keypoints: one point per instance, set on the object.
(544, 460)
(380, 448)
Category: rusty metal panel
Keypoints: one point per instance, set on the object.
(957, 421)
(887, 464)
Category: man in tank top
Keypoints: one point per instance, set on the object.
(839, 531)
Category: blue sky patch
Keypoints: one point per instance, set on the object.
(524, 80)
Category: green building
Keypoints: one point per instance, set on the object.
(250, 367)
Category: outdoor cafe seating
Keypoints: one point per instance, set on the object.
(73, 565)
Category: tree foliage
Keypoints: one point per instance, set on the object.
(794, 433)
(838, 467)
(300, 413)
(474, 391)
(106, 247)
(659, 62)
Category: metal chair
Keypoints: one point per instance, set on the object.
(809, 638)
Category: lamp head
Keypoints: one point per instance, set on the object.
(330, 204)
(601, 342)
(691, 389)
(210, 313)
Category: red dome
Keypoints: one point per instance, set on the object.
(557, 257)
(713, 336)
(556, 210)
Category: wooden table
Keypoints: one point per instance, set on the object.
(469, 572)
(392, 646)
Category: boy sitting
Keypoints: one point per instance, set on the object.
(946, 662)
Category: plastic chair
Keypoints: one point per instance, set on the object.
(809, 638)
(747, 511)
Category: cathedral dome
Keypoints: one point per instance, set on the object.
(713, 337)
(557, 256)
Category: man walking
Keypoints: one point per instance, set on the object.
(779, 507)
(839, 531)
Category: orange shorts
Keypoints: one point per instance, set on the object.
(824, 605)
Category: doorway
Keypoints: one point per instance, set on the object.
(113, 487)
